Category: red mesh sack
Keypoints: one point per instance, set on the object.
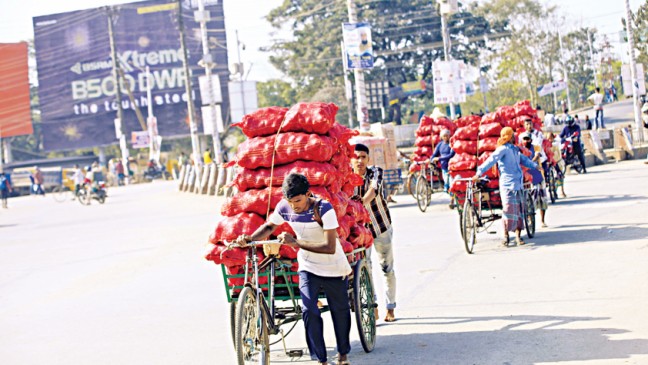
(488, 144)
(310, 118)
(491, 118)
(360, 236)
(284, 227)
(462, 174)
(347, 247)
(469, 147)
(467, 133)
(426, 121)
(288, 252)
(427, 141)
(257, 152)
(262, 122)
(462, 161)
(446, 123)
(468, 121)
(235, 270)
(424, 130)
(341, 133)
(251, 201)
(524, 108)
(317, 173)
(506, 112)
(340, 160)
(230, 228)
(490, 130)
(493, 184)
(458, 186)
(358, 211)
(423, 153)
(483, 157)
(525, 151)
(345, 224)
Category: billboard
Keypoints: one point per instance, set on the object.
(15, 113)
(449, 82)
(76, 88)
(357, 45)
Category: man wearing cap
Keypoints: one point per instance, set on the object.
(442, 154)
(373, 196)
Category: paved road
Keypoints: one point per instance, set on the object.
(618, 113)
(125, 283)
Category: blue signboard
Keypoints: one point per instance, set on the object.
(76, 88)
(357, 45)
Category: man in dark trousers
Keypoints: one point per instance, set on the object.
(573, 131)
(374, 197)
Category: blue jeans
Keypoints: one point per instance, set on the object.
(446, 181)
(337, 298)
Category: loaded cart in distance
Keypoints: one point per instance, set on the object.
(265, 297)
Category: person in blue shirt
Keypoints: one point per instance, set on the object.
(509, 158)
(443, 153)
(572, 129)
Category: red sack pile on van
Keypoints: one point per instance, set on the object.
(309, 142)
(427, 137)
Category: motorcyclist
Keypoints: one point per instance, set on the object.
(573, 132)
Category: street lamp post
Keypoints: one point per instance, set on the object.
(633, 72)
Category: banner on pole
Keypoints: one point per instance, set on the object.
(357, 45)
(449, 82)
(551, 87)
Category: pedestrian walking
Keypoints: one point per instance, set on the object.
(373, 196)
(79, 179)
(509, 159)
(597, 99)
(5, 188)
(207, 157)
(38, 181)
(121, 172)
(588, 123)
(322, 262)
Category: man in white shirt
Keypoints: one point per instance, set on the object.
(79, 179)
(597, 100)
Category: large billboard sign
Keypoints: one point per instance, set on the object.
(15, 112)
(76, 87)
(357, 45)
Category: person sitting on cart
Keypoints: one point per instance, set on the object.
(541, 202)
(443, 153)
(322, 262)
(372, 195)
(509, 158)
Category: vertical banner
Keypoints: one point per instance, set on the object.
(449, 82)
(357, 45)
(76, 88)
(15, 112)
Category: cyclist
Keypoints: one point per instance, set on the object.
(322, 262)
(509, 158)
(443, 153)
(79, 178)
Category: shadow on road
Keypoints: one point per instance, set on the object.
(576, 200)
(530, 340)
(608, 233)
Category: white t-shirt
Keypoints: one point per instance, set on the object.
(307, 229)
(597, 99)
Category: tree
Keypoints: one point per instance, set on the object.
(276, 93)
(406, 37)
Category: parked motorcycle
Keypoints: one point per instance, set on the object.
(156, 173)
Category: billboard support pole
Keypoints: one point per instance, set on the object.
(207, 60)
(362, 111)
(120, 111)
(633, 73)
(195, 143)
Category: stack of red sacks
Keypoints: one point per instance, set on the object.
(489, 133)
(464, 144)
(304, 139)
(427, 137)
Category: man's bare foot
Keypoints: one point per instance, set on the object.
(390, 317)
(342, 360)
(519, 241)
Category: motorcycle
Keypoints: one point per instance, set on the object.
(156, 173)
(568, 154)
(91, 191)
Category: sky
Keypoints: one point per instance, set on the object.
(246, 16)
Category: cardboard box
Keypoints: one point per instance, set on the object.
(377, 147)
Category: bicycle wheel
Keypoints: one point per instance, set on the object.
(410, 185)
(469, 226)
(422, 193)
(59, 193)
(529, 215)
(84, 197)
(233, 322)
(363, 292)
(252, 342)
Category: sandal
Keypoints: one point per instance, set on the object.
(342, 362)
(520, 241)
(505, 242)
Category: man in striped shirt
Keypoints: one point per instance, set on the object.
(374, 197)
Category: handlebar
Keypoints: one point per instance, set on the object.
(231, 245)
(484, 178)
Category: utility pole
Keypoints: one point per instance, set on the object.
(633, 73)
(195, 143)
(119, 122)
(347, 88)
(209, 63)
(591, 52)
(240, 71)
(362, 109)
(446, 54)
(151, 122)
(566, 76)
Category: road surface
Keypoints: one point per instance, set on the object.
(125, 282)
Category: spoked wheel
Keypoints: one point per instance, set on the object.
(576, 165)
(422, 193)
(529, 215)
(59, 193)
(84, 197)
(410, 185)
(251, 332)
(364, 304)
(469, 221)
